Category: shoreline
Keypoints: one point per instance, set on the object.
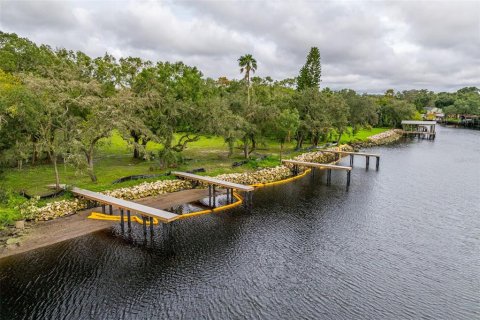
(71, 225)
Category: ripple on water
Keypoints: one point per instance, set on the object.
(402, 243)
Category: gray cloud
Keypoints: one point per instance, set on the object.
(367, 46)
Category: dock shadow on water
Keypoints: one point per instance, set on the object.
(402, 243)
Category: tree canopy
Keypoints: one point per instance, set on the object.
(57, 105)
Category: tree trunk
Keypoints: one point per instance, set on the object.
(34, 154)
(245, 148)
(281, 151)
(315, 139)
(90, 169)
(299, 139)
(136, 139)
(53, 158)
(231, 144)
(339, 137)
(254, 144)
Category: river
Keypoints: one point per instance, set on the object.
(402, 243)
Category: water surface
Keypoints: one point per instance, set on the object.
(402, 243)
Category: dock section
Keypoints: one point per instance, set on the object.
(130, 207)
(329, 167)
(213, 183)
(363, 154)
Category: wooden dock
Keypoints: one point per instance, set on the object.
(213, 183)
(130, 207)
(363, 154)
(46, 233)
(328, 167)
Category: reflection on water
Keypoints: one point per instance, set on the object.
(403, 242)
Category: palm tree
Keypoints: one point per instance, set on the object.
(247, 63)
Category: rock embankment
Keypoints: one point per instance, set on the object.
(149, 189)
(383, 138)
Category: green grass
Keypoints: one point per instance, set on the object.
(362, 135)
(114, 160)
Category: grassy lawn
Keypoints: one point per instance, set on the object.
(114, 160)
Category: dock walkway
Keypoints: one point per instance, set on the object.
(352, 154)
(129, 206)
(213, 183)
(296, 164)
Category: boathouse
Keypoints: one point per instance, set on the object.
(421, 129)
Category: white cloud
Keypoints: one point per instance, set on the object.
(367, 46)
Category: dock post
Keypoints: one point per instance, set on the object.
(103, 208)
(367, 162)
(251, 201)
(231, 195)
(246, 199)
(378, 163)
(144, 219)
(110, 209)
(295, 170)
(228, 196)
(209, 195)
(329, 177)
(122, 223)
(214, 196)
(151, 227)
(351, 160)
(129, 220)
(348, 178)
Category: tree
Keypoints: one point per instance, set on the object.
(362, 110)
(285, 124)
(310, 73)
(247, 64)
(54, 125)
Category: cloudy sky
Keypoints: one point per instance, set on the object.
(369, 46)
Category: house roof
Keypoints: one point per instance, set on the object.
(419, 122)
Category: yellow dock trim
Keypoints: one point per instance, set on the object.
(107, 217)
(100, 216)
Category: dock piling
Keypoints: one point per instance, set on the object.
(209, 195)
(351, 160)
(129, 220)
(122, 222)
(214, 197)
(151, 226)
(144, 220)
(110, 209)
(378, 163)
(367, 162)
(103, 208)
(329, 177)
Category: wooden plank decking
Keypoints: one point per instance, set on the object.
(213, 181)
(161, 215)
(317, 165)
(355, 153)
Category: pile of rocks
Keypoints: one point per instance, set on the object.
(149, 189)
(57, 209)
(386, 137)
(261, 176)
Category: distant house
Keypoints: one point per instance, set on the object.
(433, 113)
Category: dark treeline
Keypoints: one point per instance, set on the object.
(57, 105)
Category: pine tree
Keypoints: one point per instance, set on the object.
(310, 73)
